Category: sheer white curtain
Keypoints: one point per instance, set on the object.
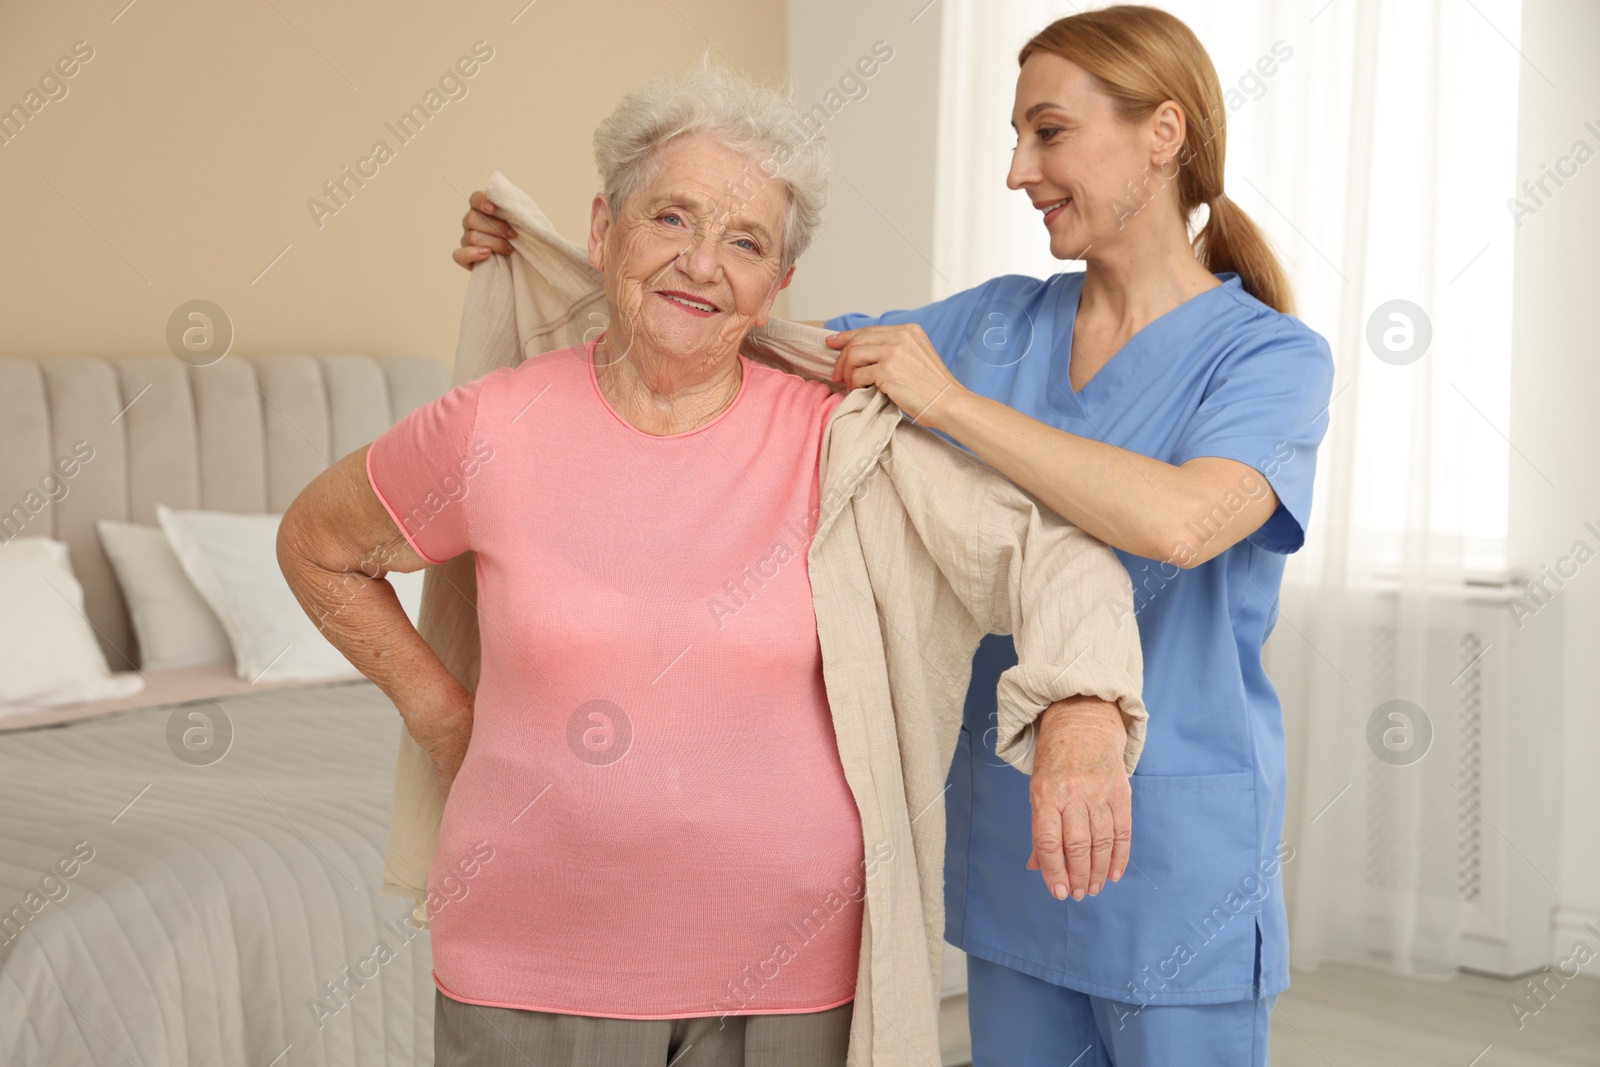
(1377, 156)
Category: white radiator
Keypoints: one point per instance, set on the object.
(1478, 831)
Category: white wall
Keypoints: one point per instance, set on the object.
(872, 254)
(1554, 386)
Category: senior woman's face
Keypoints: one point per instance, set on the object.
(692, 261)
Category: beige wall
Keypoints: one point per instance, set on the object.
(180, 160)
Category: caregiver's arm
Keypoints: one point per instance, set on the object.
(1070, 713)
(335, 544)
(481, 233)
(1140, 505)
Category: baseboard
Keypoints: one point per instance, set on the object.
(955, 1039)
(1571, 928)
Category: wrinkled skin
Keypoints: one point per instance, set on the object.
(706, 227)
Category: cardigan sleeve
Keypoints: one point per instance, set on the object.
(1022, 570)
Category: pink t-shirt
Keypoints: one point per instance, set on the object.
(652, 821)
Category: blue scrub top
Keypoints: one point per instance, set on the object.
(1220, 375)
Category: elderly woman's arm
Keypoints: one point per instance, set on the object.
(335, 545)
(1070, 713)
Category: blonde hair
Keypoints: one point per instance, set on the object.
(1142, 57)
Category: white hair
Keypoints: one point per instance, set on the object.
(743, 117)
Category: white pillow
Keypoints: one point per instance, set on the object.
(233, 562)
(48, 652)
(176, 627)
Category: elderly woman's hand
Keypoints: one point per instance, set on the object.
(1082, 801)
(902, 363)
(442, 729)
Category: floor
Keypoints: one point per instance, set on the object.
(1340, 1016)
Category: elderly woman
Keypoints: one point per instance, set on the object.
(726, 618)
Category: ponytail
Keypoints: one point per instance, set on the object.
(1231, 241)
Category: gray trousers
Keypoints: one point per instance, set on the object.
(468, 1035)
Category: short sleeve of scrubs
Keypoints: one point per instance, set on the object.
(1266, 406)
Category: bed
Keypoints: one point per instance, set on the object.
(222, 910)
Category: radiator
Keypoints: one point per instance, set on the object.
(1469, 840)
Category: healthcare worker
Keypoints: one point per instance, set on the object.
(1166, 401)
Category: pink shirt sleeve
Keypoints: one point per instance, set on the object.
(422, 469)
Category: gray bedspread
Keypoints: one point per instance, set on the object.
(163, 907)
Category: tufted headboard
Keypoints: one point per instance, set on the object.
(243, 435)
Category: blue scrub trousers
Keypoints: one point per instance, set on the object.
(1018, 1020)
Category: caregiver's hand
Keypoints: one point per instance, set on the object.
(481, 233)
(443, 730)
(1082, 802)
(900, 361)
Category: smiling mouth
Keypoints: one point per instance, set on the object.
(1053, 208)
(693, 305)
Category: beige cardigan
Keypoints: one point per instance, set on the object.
(920, 549)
